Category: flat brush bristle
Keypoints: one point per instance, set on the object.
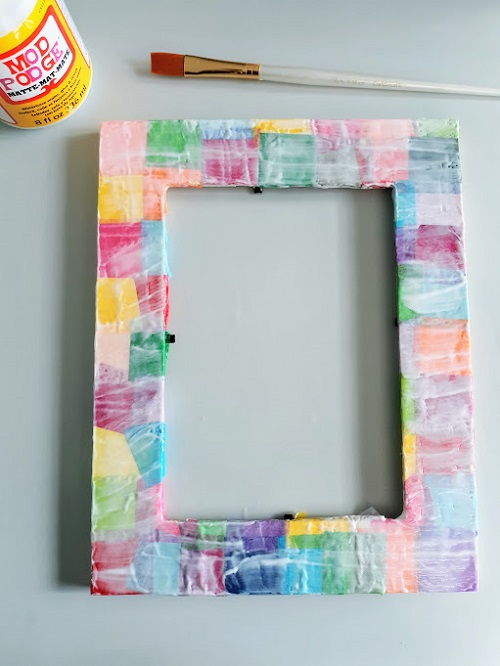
(168, 64)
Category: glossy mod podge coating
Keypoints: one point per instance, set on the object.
(138, 547)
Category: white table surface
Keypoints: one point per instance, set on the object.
(47, 215)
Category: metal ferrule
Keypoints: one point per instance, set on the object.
(209, 68)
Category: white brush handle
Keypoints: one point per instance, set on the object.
(320, 77)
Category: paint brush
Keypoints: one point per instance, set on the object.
(188, 66)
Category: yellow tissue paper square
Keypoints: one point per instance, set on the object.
(112, 456)
(120, 198)
(116, 303)
(286, 126)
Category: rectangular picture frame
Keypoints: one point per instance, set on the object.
(136, 548)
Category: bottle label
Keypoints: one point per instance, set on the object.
(44, 69)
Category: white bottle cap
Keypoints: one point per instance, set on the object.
(13, 13)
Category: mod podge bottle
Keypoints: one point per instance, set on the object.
(45, 70)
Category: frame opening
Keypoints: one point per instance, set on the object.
(282, 390)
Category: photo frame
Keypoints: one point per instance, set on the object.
(136, 549)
